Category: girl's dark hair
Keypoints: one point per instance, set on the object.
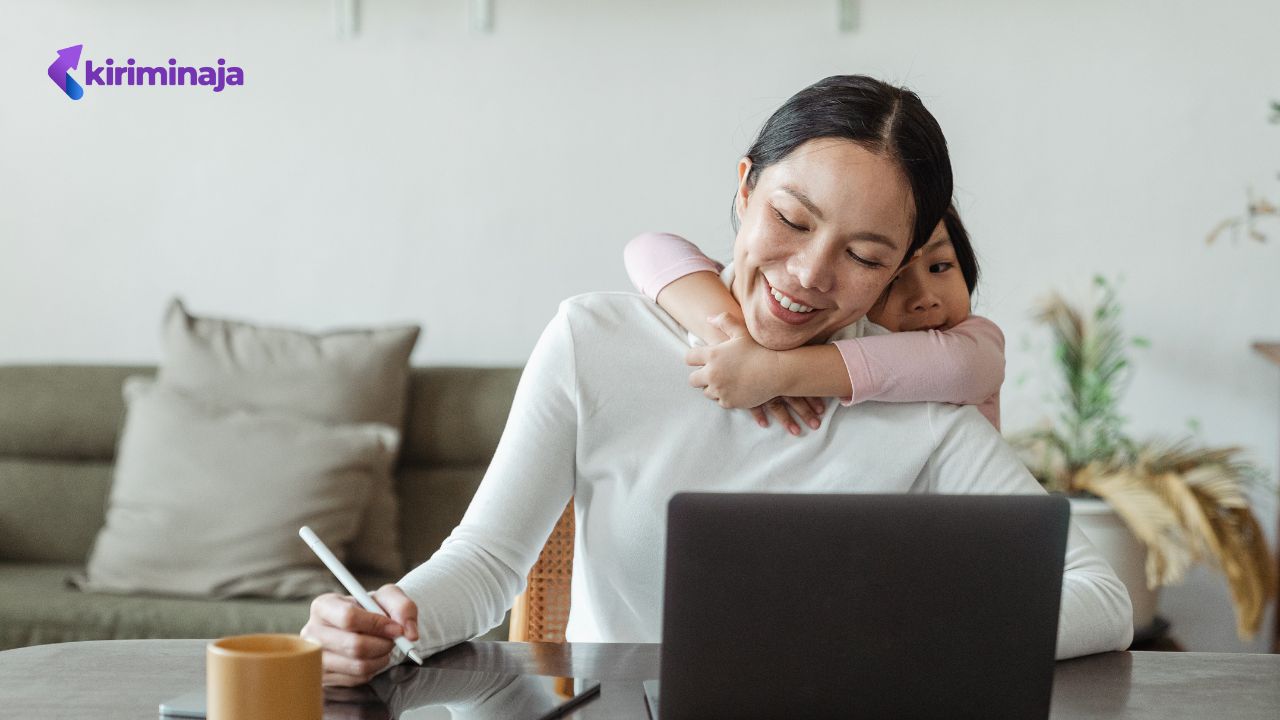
(878, 116)
(965, 256)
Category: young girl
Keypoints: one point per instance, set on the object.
(937, 351)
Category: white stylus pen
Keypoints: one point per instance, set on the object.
(349, 582)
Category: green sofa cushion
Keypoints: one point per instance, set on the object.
(51, 510)
(37, 607)
(67, 412)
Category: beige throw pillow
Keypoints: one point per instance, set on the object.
(208, 499)
(342, 376)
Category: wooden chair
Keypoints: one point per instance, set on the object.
(541, 612)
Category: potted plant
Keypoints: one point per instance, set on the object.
(1153, 508)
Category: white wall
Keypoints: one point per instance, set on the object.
(469, 181)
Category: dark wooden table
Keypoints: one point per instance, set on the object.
(129, 678)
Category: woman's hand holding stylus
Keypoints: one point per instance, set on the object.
(357, 643)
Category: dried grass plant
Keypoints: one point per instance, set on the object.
(1185, 503)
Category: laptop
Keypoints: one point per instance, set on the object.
(877, 606)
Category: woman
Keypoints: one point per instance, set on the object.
(603, 412)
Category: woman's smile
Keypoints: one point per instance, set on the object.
(799, 316)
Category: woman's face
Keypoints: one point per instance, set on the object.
(822, 234)
(929, 293)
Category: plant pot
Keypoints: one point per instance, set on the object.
(1123, 551)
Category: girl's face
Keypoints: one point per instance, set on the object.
(928, 294)
(822, 234)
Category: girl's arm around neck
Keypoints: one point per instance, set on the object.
(655, 259)
(963, 365)
(695, 297)
(683, 281)
(814, 371)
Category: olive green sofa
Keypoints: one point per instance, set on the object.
(59, 426)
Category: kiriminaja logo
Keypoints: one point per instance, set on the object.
(109, 74)
(68, 58)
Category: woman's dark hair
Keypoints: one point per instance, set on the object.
(965, 256)
(878, 116)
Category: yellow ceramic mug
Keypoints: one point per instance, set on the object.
(263, 677)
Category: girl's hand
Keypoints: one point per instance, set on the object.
(808, 410)
(737, 373)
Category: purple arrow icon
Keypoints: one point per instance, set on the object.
(68, 58)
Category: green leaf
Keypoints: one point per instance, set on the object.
(1089, 351)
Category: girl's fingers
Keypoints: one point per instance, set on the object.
(779, 411)
(800, 407)
(762, 419)
(728, 324)
(696, 356)
(697, 378)
(818, 406)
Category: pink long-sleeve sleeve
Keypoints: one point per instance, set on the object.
(655, 259)
(963, 365)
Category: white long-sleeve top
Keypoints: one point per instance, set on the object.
(604, 413)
